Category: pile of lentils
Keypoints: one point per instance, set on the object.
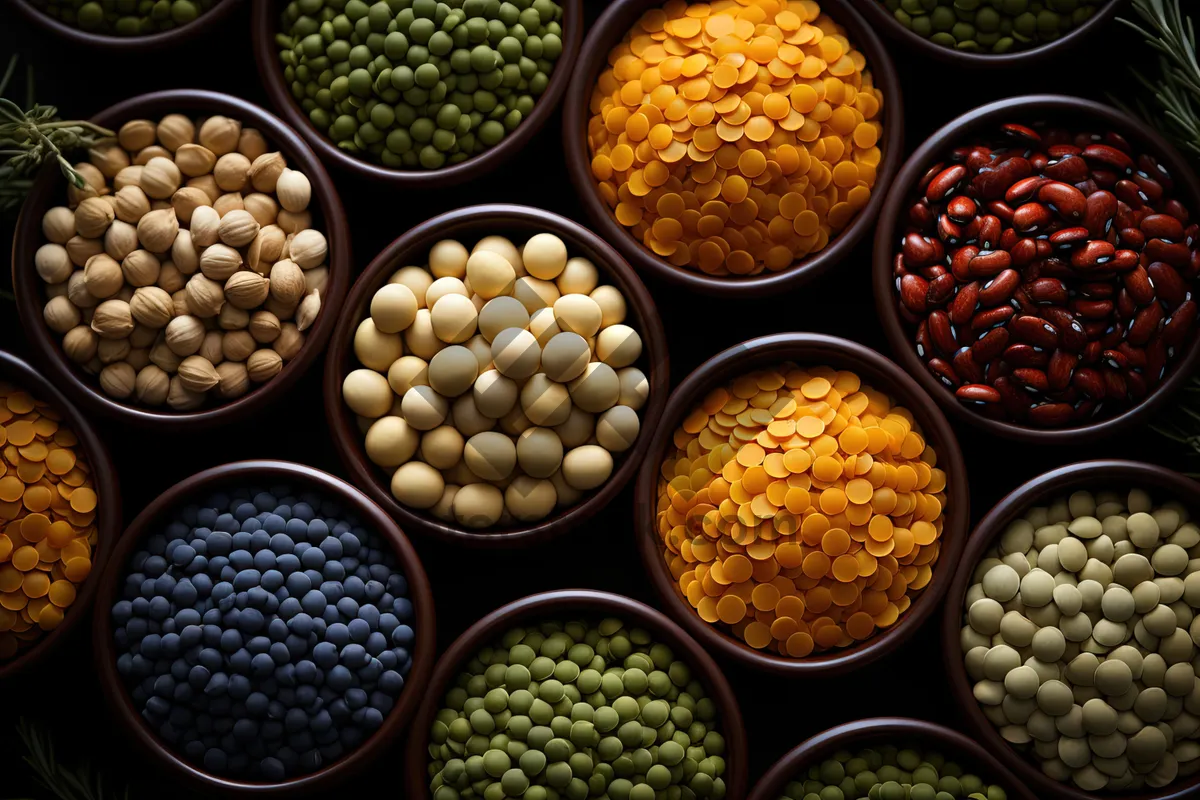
(47, 519)
(497, 383)
(992, 26)
(1081, 635)
(418, 83)
(576, 710)
(124, 17)
(1047, 276)
(888, 773)
(264, 635)
(186, 267)
(735, 138)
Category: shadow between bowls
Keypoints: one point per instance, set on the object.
(566, 604)
(895, 731)
(49, 190)
(1076, 113)
(882, 19)
(127, 45)
(473, 223)
(266, 54)
(876, 371)
(108, 523)
(248, 473)
(1162, 484)
(606, 33)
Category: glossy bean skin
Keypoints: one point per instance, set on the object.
(1048, 275)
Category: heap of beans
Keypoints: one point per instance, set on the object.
(264, 635)
(419, 83)
(577, 711)
(124, 17)
(801, 508)
(994, 26)
(1081, 633)
(888, 773)
(169, 283)
(735, 137)
(47, 520)
(1048, 276)
(517, 389)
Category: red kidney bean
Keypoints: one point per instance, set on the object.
(1068, 237)
(1024, 190)
(1002, 210)
(1151, 191)
(1025, 355)
(985, 320)
(988, 263)
(1033, 380)
(929, 175)
(1115, 359)
(1131, 238)
(941, 333)
(913, 290)
(1060, 150)
(1177, 210)
(966, 367)
(1033, 330)
(964, 304)
(940, 289)
(1023, 251)
(1108, 156)
(977, 393)
(1114, 383)
(989, 231)
(1069, 169)
(1092, 309)
(993, 181)
(1000, 288)
(1060, 369)
(945, 182)
(944, 372)
(920, 251)
(1031, 218)
(1096, 253)
(1047, 291)
(1129, 193)
(990, 345)
(1137, 284)
(1064, 199)
(1098, 214)
(920, 215)
(948, 230)
(1136, 384)
(961, 209)
(1052, 415)
(1179, 323)
(1168, 285)
(1089, 381)
(1096, 290)
(1176, 254)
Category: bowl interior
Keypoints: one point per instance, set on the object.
(1163, 485)
(49, 190)
(108, 518)
(265, 475)
(469, 226)
(590, 606)
(875, 371)
(1074, 114)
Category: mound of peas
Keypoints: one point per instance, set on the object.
(889, 773)
(419, 83)
(124, 17)
(991, 26)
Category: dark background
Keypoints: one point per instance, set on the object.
(779, 713)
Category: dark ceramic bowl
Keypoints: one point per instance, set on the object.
(1163, 485)
(569, 604)
(243, 473)
(108, 519)
(128, 44)
(605, 34)
(49, 190)
(1075, 113)
(266, 53)
(896, 731)
(470, 224)
(882, 19)
(876, 371)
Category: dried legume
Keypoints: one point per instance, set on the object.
(991, 26)
(801, 508)
(734, 138)
(887, 773)
(129, 18)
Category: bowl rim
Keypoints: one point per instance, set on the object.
(607, 31)
(263, 471)
(266, 55)
(804, 348)
(589, 602)
(418, 239)
(127, 44)
(83, 388)
(881, 18)
(864, 731)
(1095, 473)
(899, 340)
(108, 520)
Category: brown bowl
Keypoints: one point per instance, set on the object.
(127, 45)
(266, 54)
(882, 19)
(412, 248)
(1076, 113)
(353, 501)
(608, 31)
(108, 522)
(882, 731)
(49, 190)
(881, 374)
(562, 604)
(1161, 483)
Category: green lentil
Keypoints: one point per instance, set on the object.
(991, 26)
(889, 773)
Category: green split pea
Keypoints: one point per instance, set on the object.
(419, 83)
(991, 26)
(124, 17)
(888, 773)
(576, 711)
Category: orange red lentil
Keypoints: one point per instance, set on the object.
(801, 508)
(47, 516)
(735, 136)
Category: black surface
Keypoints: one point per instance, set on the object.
(600, 555)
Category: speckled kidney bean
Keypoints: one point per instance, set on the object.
(1048, 275)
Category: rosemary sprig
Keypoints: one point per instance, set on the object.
(79, 783)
